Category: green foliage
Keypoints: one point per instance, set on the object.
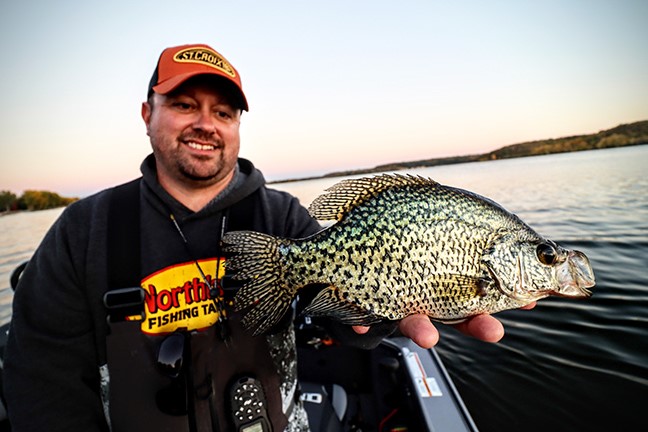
(622, 135)
(32, 200)
(7, 201)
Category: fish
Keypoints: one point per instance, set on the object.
(402, 245)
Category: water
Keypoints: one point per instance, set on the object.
(20, 234)
(565, 366)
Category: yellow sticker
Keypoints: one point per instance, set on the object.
(177, 297)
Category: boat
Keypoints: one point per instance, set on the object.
(395, 387)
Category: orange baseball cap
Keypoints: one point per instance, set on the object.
(178, 64)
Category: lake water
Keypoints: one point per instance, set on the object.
(564, 366)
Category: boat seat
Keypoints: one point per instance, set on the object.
(325, 405)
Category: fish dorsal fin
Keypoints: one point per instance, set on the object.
(340, 198)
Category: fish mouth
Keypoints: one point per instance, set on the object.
(575, 276)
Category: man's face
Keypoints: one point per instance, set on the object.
(194, 133)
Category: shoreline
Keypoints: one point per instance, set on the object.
(429, 163)
(620, 136)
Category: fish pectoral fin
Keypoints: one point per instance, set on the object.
(328, 303)
(468, 285)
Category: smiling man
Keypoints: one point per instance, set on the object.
(121, 319)
(194, 131)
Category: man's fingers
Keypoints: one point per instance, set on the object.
(483, 327)
(360, 329)
(420, 329)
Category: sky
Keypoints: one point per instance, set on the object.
(332, 85)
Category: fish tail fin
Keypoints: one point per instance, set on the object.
(256, 258)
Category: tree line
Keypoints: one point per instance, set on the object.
(32, 200)
(620, 136)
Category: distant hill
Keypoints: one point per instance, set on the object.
(620, 136)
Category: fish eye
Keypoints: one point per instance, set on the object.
(547, 254)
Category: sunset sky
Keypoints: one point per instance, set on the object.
(331, 85)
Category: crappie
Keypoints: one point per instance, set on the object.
(403, 245)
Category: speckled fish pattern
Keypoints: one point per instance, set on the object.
(403, 245)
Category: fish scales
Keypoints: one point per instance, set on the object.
(393, 257)
(401, 245)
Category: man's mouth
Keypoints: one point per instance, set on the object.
(198, 146)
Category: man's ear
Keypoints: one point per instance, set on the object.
(146, 115)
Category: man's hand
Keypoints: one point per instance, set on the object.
(420, 329)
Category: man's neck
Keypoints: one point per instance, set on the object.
(191, 196)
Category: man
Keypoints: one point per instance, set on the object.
(180, 364)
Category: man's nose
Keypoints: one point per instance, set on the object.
(205, 120)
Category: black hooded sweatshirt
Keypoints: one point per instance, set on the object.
(55, 374)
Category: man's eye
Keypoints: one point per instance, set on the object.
(183, 106)
(226, 117)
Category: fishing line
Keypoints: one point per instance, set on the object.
(214, 292)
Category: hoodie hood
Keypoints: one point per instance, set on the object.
(246, 180)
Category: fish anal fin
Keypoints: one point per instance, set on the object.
(450, 321)
(328, 303)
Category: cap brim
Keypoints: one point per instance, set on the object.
(173, 83)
